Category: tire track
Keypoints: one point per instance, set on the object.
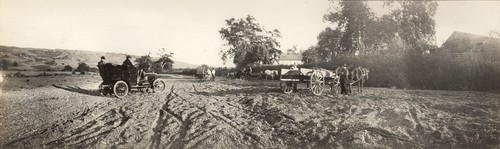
(57, 129)
(189, 120)
(91, 132)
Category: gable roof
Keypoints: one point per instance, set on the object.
(473, 38)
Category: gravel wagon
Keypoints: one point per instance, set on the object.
(120, 80)
(316, 79)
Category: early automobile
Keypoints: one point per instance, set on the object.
(120, 80)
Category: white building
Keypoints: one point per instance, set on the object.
(290, 59)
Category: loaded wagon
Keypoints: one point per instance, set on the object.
(203, 73)
(120, 80)
(316, 80)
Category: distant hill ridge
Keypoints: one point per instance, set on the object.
(42, 59)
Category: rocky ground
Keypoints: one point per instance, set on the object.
(68, 112)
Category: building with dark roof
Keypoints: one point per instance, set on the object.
(461, 44)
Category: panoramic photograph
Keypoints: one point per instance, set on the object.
(249, 74)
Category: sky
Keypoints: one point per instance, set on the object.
(189, 28)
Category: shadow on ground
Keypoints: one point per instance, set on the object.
(77, 89)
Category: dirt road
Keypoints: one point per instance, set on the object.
(48, 112)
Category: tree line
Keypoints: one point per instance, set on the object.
(409, 27)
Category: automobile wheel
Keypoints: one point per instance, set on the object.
(120, 89)
(159, 86)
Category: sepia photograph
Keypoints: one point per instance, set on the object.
(230, 74)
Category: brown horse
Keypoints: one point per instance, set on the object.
(359, 75)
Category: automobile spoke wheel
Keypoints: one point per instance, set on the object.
(120, 89)
(159, 86)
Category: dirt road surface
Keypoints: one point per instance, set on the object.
(68, 112)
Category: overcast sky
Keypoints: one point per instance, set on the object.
(189, 28)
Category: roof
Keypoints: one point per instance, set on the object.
(473, 38)
(291, 57)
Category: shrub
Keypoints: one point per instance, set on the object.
(67, 68)
(18, 74)
(82, 67)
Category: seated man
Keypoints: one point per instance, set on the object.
(102, 61)
(128, 63)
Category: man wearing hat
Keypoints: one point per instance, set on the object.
(128, 63)
(344, 80)
(102, 61)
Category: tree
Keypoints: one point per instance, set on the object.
(165, 62)
(494, 34)
(83, 67)
(329, 44)
(15, 64)
(144, 62)
(415, 23)
(67, 68)
(351, 19)
(249, 43)
(311, 56)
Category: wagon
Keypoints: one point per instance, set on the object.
(316, 79)
(203, 73)
(120, 80)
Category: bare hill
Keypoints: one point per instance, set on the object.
(43, 59)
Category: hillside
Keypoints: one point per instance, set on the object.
(39, 59)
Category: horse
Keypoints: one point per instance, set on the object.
(231, 75)
(359, 75)
(270, 73)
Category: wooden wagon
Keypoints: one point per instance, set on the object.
(316, 79)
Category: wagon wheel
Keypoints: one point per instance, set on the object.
(317, 81)
(286, 87)
(159, 86)
(120, 89)
(102, 90)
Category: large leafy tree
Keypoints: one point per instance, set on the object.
(249, 43)
(352, 19)
(415, 22)
(329, 44)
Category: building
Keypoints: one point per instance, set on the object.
(461, 44)
(290, 59)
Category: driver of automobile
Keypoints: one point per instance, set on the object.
(128, 63)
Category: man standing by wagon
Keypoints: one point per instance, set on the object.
(344, 80)
(213, 74)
